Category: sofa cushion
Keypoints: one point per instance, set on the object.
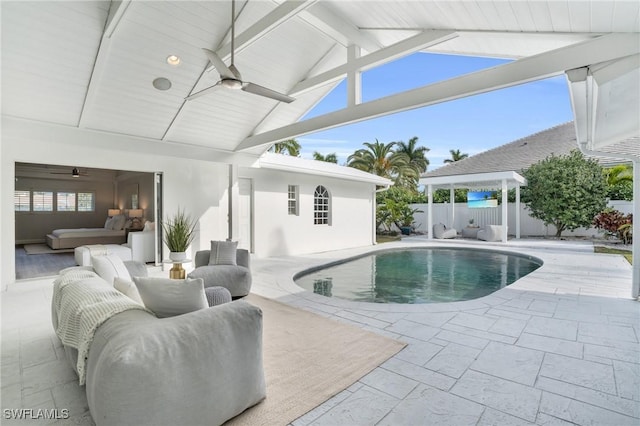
(110, 267)
(128, 288)
(223, 253)
(168, 297)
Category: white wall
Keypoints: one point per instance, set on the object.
(529, 226)
(199, 187)
(277, 233)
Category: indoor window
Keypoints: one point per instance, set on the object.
(66, 201)
(321, 206)
(293, 199)
(22, 201)
(86, 202)
(42, 201)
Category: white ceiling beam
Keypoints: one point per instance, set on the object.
(117, 11)
(372, 60)
(533, 68)
(271, 21)
(338, 28)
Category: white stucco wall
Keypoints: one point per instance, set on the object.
(199, 187)
(277, 233)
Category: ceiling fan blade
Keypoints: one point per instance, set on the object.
(263, 91)
(203, 92)
(219, 64)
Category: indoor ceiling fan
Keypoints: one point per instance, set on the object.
(74, 173)
(230, 77)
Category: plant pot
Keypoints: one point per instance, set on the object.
(406, 230)
(177, 256)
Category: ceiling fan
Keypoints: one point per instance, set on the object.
(74, 173)
(231, 78)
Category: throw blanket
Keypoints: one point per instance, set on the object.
(97, 249)
(82, 302)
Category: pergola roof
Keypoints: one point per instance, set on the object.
(476, 180)
(90, 65)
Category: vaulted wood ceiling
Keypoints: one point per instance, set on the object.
(91, 64)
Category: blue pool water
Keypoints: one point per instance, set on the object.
(425, 275)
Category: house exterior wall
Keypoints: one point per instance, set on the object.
(198, 187)
(277, 233)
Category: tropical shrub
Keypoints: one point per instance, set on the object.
(611, 221)
(565, 191)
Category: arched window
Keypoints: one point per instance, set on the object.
(321, 206)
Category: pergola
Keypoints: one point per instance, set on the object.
(495, 180)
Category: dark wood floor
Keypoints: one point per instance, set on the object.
(41, 265)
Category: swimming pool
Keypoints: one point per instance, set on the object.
(420, 275)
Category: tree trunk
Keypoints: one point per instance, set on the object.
(560, 227)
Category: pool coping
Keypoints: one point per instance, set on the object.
(552, 253)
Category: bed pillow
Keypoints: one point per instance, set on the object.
(118, 222)
(108, 224)
(223, 253)
(167, 297)
(109, 267)
(128, 288)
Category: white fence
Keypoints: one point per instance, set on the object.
(529, 226)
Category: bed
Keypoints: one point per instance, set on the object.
(113, 232)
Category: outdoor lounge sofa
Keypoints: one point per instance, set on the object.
(197, 368)
(490, 233)
(440, 231)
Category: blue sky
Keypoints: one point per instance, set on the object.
(472, 124)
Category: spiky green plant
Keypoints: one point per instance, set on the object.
(179, 231)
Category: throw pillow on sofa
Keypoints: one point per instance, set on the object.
(223, 253)
(110, 267)
(128, 288)
(168, 297)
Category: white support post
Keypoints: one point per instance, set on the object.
(452, 200)
(505, 210)
(354, 78)
(635, 257)
(517, 211)
(234, 203)
(430, 211)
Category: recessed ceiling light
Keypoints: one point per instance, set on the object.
(173, 60)
(162, 83)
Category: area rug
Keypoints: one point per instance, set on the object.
(43, 249)
(308, 359)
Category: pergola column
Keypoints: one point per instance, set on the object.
(517, 211)
(452, 199)
(430, 212)
(505, 210)
(635, 257)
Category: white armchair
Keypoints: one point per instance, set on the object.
(142, 245)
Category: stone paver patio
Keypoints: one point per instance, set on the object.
(559, 346)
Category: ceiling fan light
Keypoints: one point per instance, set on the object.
(173, 60)
(231, 83)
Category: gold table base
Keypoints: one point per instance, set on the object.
(177, 272)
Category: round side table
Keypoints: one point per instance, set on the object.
(177, 272)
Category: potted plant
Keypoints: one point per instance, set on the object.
(179, 232)
(406, 219)
(471, 221)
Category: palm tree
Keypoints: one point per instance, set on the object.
(380, 159)
(329, 158)
(290, 146)
(619, 174)
(456, 155)
(417, 158)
